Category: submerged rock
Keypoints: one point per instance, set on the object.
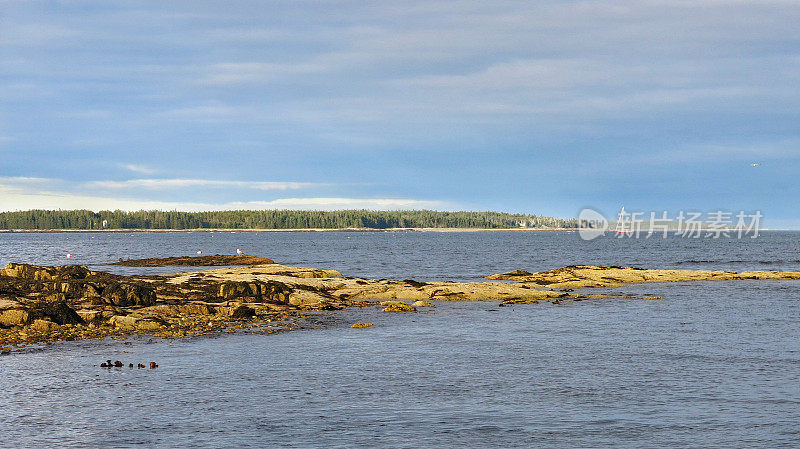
(361, 325)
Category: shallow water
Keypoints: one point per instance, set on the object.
(713, 364)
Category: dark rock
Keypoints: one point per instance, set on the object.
(242, 312)
(217, 260)
(67, 272)
(92, 290)
(38, 273)
(414, 283)
(271, 291)
(56, 308)
(128, 295)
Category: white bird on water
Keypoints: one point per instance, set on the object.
(239, 252)
(754, 164)
(199, 253)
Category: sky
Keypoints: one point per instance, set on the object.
(542, 107)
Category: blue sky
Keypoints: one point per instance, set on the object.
(542, 107)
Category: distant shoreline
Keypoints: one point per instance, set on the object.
(118, 231)
(234, 230)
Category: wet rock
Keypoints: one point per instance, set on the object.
(399, 306)
(128, 295)
(57, 309)
(653, 297)
(270, 291)
(361, 325)
(422, 303)
(414, 283)
(242, 312)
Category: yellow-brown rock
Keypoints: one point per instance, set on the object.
(399, 306)
(43, 325)
(14, 317)
(581, 276)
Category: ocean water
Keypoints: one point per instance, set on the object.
(713, 364)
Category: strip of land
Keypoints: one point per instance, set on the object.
(217, 260)
(130, 231)
(46, 304)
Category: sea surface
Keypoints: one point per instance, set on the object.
(713, 364)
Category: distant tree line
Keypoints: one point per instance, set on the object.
(274, 219)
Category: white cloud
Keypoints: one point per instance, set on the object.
(137, 168)
(165, 184)
(20, 197)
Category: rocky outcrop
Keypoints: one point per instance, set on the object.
(582, 276)
(64, 303)
(217, 260)
(39, 273)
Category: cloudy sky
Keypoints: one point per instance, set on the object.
(527, 106)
